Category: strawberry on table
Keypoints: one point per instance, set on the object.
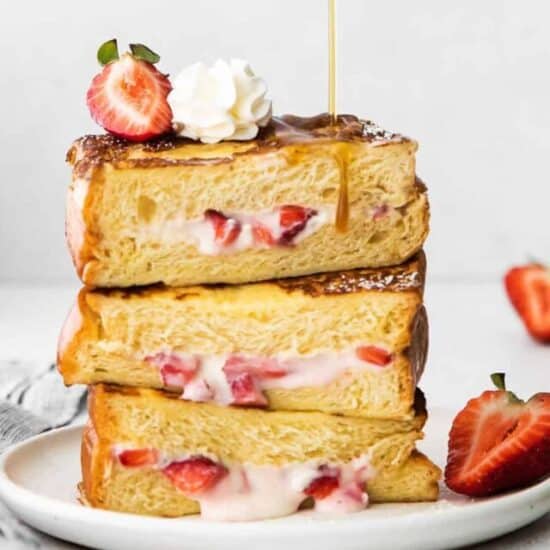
(528, 288)
(498, 442)
(129, 96)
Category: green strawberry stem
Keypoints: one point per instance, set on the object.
(108, 52)
(499, 380)
(140, 51)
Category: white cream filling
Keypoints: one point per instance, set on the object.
(313, 370)
(252, 492)
(200, 231)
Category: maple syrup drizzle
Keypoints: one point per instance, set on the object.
(341, 156)
(332, 61)
(341, 153)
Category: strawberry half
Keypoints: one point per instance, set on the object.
(129, 97)
(226, 230)
(498, 442)
(528, 288)
(137, 458)
(195, 475)
(374, 355)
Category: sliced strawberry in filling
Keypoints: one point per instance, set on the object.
(293, 220)
(374, 355)
(259, 367)
(175, 371)
(322, 487)
(195, 475)
(262, 235)
(136, 458)
(245, 390)
(226, 230)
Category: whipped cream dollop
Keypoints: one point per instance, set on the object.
(223, 102)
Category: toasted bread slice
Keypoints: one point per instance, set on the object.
(125, 421)
(304, 342)
(139, 214)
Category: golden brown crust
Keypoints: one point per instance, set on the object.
(83, 327)
(94, 150)
(408, 276)
(417, 352)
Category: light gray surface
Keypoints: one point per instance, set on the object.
(468, 79)
(473, 333)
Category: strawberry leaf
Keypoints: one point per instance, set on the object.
(140, 51)
(108, 52)
(498, 379)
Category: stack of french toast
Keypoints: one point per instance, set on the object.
(252, 327)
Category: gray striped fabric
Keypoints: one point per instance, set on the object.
(33, 399)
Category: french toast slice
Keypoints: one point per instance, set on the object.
(351, 343)
(304, 197)
(148, 452)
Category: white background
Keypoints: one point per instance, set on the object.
(469, 80)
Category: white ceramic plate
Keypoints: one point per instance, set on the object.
(38, 480)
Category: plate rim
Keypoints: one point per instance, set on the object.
(17, 497)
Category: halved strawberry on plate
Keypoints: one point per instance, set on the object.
(528, 288)
(499, 442)
(129, 96)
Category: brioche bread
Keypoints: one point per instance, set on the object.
(316, 325)
(142, 418)
(134, 210)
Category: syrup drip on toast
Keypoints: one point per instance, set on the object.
(342, 208)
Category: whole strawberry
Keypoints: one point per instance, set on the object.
(498, 442)
(128, 97)
(528, 288)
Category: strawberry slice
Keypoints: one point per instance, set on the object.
(245, 390)
(293, 219)
(262, 235)
(498, 442)
(322, 487)
(129, 98)
(258, 367)
(175, 371)
(226, 230)
(528, 288)
(195, 475)
(137, 458)
(374, 355)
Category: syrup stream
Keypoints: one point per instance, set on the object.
(341, 154)
(332, 61)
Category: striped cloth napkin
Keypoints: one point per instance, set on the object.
(33, 399)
